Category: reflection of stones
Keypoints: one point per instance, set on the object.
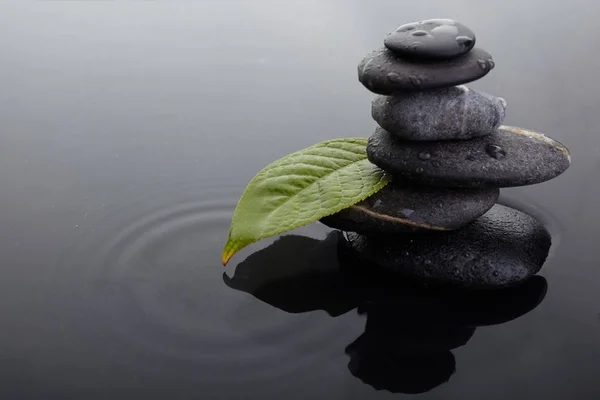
(404, 208)
(502, 248)
(404, 363)
(410, 331)
(407, 343)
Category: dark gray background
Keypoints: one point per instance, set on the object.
(128, 130)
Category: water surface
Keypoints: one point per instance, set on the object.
(128, 130)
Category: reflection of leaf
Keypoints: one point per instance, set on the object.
(301, 188)
(297, 274)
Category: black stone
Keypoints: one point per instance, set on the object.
(508, 157)
(450, 113)
(399, 207)
(384, 72)
(431, 39)
(501, 249)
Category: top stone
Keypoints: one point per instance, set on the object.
(432, 39)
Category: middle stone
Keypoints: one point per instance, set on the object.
(440, 114)
(400, 207)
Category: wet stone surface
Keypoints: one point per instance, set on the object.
(508, 157)
(500, 249)
(442, 114)
(431, 39)
(406, 208)
(384, 72)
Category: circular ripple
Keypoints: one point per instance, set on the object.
(149, 279)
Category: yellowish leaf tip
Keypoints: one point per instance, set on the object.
(226, 257)
(229, 251)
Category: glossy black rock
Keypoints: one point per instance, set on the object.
(441, 114)
(500, 249)
(384, 72)
(404, 208)
(431, 39)
(508, 157)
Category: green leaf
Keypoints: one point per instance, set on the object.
(302, 188)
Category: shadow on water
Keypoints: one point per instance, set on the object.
(410, 330)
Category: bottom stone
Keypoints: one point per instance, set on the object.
(502, 248)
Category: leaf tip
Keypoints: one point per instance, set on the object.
(226, 257)
(228, 252)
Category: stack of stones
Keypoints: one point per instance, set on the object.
(446, 148)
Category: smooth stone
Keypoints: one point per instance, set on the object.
(384, 72)
(508, 157)
(442, 114)
(431, 39)
(501, 249)
(405, 208)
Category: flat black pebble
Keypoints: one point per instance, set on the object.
(508, 157)
(502, 248)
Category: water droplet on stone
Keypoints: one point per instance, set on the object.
(496, 273)
(464, 40)
(406, 28)
(419, 33)
(416, 82)
(424, 155)
(455, 271)
(419, 170)
(407, 212)
(483, 64)
(393, 77)
(495, 151)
